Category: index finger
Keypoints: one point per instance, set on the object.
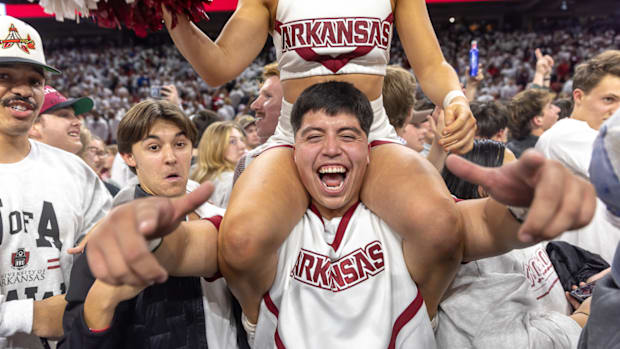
(189, 202)
(467, 170)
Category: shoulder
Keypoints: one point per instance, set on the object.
(58, 160)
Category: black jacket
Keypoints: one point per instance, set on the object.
(168, 315)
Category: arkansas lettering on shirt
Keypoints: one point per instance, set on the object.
(317, 270)
(335, 32)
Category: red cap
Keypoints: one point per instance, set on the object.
(54, 101)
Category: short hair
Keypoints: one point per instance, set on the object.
(333, 97)
(590, 73)
(211, 161)
(524, 107)
(270, 70)
(202, 119)
(399, 87)
(491, 117)
(140, 118)
(487, 153)
(566, 107)
(424, 103)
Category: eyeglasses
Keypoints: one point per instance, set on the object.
(94, 151)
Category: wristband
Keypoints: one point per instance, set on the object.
(519, 213)
(451, 96)
(154, 244)
(92, 330)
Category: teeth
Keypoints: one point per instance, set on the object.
(334, 188)
(332, 169)
(19, 107)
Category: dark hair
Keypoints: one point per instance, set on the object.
(566, 107)
(333, 97)
(140, 118)
(424, 103)
(486, 153)
(491, 117)
(524, 107)
(202, 120)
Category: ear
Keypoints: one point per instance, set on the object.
(537, 121)
(129, 159)
(578, 95)
(35, 131)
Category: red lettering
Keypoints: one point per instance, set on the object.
(345, 34)
(376, 254)
(298, 34)
(385, 39)
(306, 264)
(361, 32)
(375, 35)
(349, 271)
(321, 271)
(328, 35)
(336, 277)
(312, 34)
(363, 264)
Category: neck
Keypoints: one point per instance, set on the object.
(14, 148)
(537, 132)
(329, 213)
(578, 115)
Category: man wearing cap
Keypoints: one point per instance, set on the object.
(48, 198)
(59, 123)
(248, 124)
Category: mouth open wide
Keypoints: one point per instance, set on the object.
(332, 177)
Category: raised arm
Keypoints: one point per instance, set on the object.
(238, 44)
(558, 201)
(435, 75)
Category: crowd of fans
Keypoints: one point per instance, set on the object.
(531, 91)
(116, 77)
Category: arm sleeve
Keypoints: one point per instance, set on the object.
(15, 316)
(77, 334)
(97, 202)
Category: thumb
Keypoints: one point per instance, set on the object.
(467, 170)
(538, 53)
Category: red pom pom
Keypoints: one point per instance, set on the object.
(143, 16)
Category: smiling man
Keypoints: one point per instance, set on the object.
(48, 199)
(59, 123)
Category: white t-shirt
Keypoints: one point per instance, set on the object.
(48, 201)
(223, 187)
(571, 141)
(514, 298)
(120, 173)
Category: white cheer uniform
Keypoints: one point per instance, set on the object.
(343, 284)
(47, 201)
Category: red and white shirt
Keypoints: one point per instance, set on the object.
(343, 284)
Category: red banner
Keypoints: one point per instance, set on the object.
(36, 11)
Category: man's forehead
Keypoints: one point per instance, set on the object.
(25, 66)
